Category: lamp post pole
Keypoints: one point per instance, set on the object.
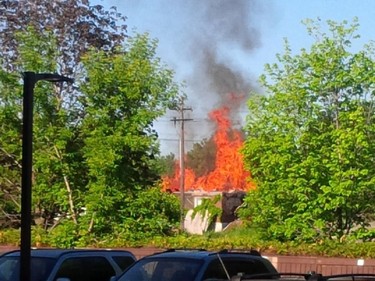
(29, 81)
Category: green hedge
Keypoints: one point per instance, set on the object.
(239, 239)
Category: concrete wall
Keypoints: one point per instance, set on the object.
(229, 202)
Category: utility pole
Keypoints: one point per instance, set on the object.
(181, 109)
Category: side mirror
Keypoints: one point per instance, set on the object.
(113, 278)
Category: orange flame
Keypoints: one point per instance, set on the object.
(229, 173)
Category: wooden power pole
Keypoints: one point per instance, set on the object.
(181, 109)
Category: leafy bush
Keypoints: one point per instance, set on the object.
(240, 238)
(152, 212)
(10, 237)
(65, 235)
(208, 207)
(364, 234)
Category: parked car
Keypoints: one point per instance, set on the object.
(310, 276)
(196, 265)
(67, 264)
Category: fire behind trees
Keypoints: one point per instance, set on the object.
(215, 164)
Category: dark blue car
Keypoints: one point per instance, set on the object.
(67, 264)
(198, 265)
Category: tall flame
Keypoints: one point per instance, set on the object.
(229, 173)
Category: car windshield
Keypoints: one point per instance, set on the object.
(10, 268)
(162, 270)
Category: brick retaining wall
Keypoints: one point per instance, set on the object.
(323, 265)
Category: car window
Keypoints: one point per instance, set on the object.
(215, 270)
(40, 268)
(123, 262)
(8, 268)
(86, 269)
(233, 266)
(162, 270)
(240, 266)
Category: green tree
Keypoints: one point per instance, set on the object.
(75, 24)
(48, 37)
(152, 212)
(36, 52)
(167, 164)
(10, 150)
(310, 140)
(94, 144)
(125, 94)
(201, 158)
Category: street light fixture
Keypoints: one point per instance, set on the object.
(29, 81)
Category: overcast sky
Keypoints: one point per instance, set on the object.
(221, 46)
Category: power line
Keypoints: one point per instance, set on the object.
(186, 140)
(196, 120)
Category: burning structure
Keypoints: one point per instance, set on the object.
(228, 178)
(229, 173)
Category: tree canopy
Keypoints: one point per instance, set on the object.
(94, 145)
(75, 24)
(310, 139)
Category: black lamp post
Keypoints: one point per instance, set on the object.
(29, 81)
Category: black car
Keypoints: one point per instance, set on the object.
(196, 265)
(310, 276)
(67, 264)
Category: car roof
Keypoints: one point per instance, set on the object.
(181, 254)
(202, 254)
(56, 253)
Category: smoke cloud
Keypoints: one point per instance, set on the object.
(206, 43)
(219, 27)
